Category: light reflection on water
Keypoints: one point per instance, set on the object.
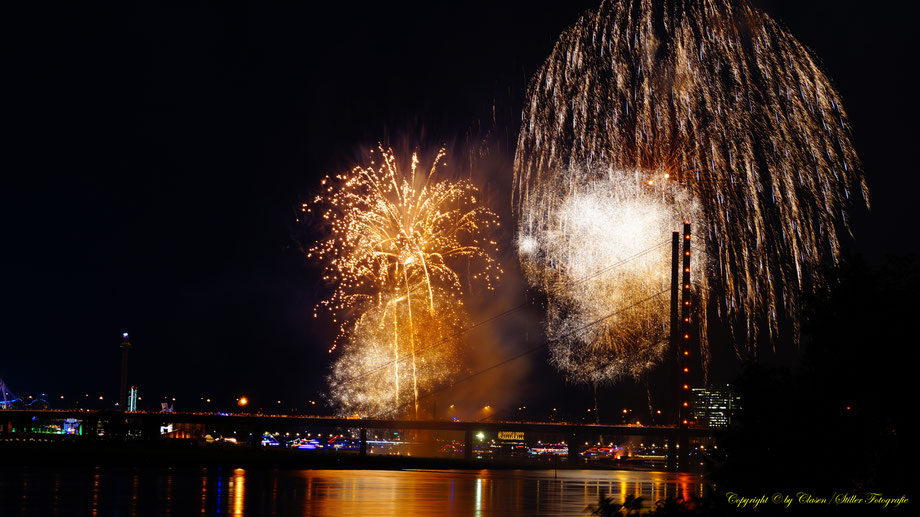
(333, 493)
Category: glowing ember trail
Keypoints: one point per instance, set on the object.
(647, 114)
(394, 241)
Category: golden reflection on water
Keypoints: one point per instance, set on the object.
(168, 499)
(57, 494)
(204, 490)
(333, 493)
(419, 493)
(238, 486)
(135, 485)
(25, 491)
(96, 482)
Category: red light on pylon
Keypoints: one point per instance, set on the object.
(686, 370)
(686, 387)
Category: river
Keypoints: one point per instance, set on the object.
(334, 493)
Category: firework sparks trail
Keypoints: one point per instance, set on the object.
(374, 375)
(647, 114)
(394, 241)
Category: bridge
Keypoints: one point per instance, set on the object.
(254, 425)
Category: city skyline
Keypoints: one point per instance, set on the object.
(182, 229)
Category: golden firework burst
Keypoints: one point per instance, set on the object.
(647, 114)
(394, 242)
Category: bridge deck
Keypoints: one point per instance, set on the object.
(268, 421)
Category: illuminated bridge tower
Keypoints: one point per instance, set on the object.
(686, 375)
(681, 341)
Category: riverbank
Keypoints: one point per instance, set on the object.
(187, 453)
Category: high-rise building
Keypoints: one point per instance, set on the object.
(123, 392)
(714, 406)
(132, 399)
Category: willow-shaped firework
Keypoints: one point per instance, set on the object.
(394, 240)
(703, 110)
(393, 351)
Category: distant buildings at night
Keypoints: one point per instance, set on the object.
(714, 406)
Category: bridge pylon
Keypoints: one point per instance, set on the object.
(681, 340)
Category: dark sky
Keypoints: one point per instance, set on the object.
(157, 155)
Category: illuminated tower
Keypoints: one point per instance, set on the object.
(685, 360)
(681, 338)
(123, 393)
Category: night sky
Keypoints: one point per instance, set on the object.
(157, 158)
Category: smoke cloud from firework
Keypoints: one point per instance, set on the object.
(647, 114)
(607, 247)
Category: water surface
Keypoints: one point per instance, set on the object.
(333, 493)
